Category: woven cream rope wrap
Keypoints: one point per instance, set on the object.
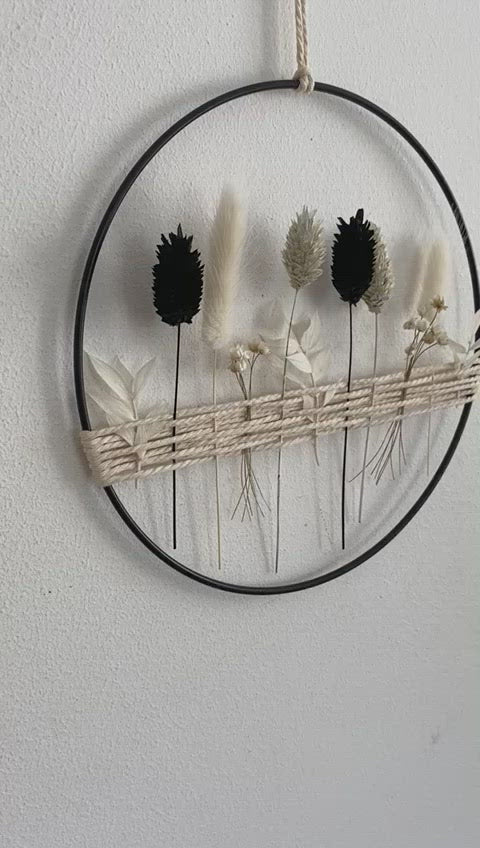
(116, 453)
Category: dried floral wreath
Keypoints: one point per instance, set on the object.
(141, 439)
(139, 442)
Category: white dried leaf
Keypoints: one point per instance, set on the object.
(114, 410)
(329, 395)
(297, 360)
(106, 388)
(307, 358)
(141, 377)
(145, 431)
(123, 373)
(308, 332)
(117, 392)
(108, 377)
(456, 346)
(127, 433)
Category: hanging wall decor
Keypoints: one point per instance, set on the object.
(278, 396)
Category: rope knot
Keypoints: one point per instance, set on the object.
(305, 79)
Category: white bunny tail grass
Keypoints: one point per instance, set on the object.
(436, 277)
(221, 284)
(415, 289)
(222, 270)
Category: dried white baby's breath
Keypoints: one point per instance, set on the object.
(259, 347)
(439, 304)
(421, 324)
(240, 357)
(305, 250)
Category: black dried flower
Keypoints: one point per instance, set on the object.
(177, 279)
(353, 258)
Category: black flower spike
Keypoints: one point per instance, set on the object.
(177, 279)
(353, 258)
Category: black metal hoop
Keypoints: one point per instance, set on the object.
(82, 302)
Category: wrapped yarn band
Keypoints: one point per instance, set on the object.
(203, 433)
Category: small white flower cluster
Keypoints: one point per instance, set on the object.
(419, 324)
(436, 335)
(427, 331)
(241, 356)
(258, 347)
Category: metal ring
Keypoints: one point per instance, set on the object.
(82, 302)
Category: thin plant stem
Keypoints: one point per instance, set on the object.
(367, 437)
(401, 451)
(174, 473)
(345, 436)
(251, 493)
(429, 437)
(392, 470)
(315, 437)
(135, 412)
(255, 480)
(217, 483)
(372, 458)
(243, 478)
(243, 484)
(380, 453)
(253, 483)
(279, 461)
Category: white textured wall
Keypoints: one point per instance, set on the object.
(140, 709)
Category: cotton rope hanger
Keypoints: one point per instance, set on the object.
(292, 416)
(302, 74)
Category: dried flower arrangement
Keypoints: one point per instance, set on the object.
(140, 438)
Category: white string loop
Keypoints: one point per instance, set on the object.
(302, 74)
